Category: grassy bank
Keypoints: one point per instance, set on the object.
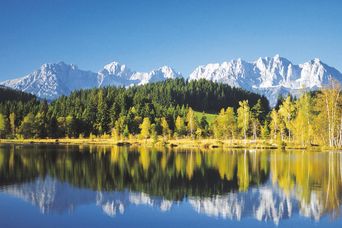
(180, 143)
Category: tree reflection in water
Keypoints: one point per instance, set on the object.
(266, 185)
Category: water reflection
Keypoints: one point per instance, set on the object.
(265, 185)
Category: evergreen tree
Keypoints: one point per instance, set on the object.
(27, 129)
(3, 126)
(12, 119)
(204, 126)
(40, 125)
(256, 113)
(102, 114)
(154, 132)
(125, 132)
(70, 126)
(265, 131)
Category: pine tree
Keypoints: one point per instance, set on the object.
(154, 135)
(204, 126)
(27, 126)
(103, 114)
(265, 131)
(3, 126)
(255, 117)
(125, 132)
(70, 126)
(40, 125)
(12, 123)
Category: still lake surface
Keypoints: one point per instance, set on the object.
(99, 186)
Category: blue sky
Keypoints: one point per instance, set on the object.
(148, 34)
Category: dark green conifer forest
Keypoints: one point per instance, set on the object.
(99, 111)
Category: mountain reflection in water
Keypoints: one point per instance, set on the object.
(235, 184)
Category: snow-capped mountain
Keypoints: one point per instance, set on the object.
(269, 76)
(156, 75)
(54, 80)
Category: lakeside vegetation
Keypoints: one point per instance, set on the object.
(175, 112)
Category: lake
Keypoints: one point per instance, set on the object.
(109, 186)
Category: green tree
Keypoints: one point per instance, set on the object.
(3, 125)
(219, 125)
(102, 114)
(145, 128)
(27, 126)
(126, 132)
(154, 135)
(329, 119)
(256, 113)
(165, 127)
(12, 118)
(287, 111)
(274, 124)
(244, 118)
(70, 126)
(231, 122)
(180, 126)
(120, 125)
(303, 129)
(204, 126)
(191, 122)
(40, 125)
(265, 131)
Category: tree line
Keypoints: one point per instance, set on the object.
(170, 109)
(104, 111)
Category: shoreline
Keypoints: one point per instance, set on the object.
(184, 143)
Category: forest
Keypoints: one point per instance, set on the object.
(168, 109)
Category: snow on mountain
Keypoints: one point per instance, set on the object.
(269, 76)
(114, 74)
(54, 80)
(159, 74)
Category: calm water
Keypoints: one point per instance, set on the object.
(87, 186)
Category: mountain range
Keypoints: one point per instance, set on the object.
(269, 76)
